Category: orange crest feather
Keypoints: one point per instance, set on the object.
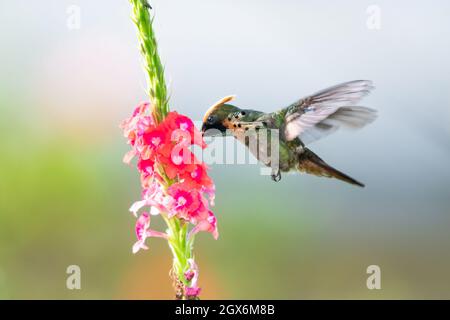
(217, 105)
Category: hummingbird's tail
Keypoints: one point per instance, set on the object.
(311, 163)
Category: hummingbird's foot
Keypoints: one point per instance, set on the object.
(276, 175)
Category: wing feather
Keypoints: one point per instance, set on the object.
(324, 112)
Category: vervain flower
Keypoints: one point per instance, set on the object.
(175, 184)
(143, 232)
(192, 274)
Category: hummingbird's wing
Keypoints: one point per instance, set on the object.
(322, 113)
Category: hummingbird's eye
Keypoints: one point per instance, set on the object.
(210, 119)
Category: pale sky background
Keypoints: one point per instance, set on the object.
(268, 53)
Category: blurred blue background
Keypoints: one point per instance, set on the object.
(64, 192)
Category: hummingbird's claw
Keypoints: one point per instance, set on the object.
(276, 175)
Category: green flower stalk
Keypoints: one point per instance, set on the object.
(175, 183)
(157, 88)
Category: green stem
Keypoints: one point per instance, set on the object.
(180, 246)
(157, 88)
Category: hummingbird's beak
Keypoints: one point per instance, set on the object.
(209, 131)
(212, 130)
(203, 129)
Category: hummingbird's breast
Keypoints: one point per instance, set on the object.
(266, 146)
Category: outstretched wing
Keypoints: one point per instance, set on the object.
(320, 114)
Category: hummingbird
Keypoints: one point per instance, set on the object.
(299, 124)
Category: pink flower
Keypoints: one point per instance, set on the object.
(153, 196)
(146, 166)
(129, 156)
(142, 224)
(199, 179)
(192, 276)
(192, 292)
(176, 121)
(178, 163)
(154, 138)
(186, 201)
(189, 275)
(133, 129)
(135, 125)
(208, 224)
(143, 232)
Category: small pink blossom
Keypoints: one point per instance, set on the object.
(189, 275)
(186, 201)
(142, 224)
(129, 156)
(192, 292)
(192, 276)
(143, 231)
(146, 166)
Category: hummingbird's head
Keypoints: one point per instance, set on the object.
(216, 117)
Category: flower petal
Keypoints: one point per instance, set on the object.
(154, 211)
(129, 156)
(135, 207)
(138, 246)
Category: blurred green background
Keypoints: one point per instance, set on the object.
(64, 192)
